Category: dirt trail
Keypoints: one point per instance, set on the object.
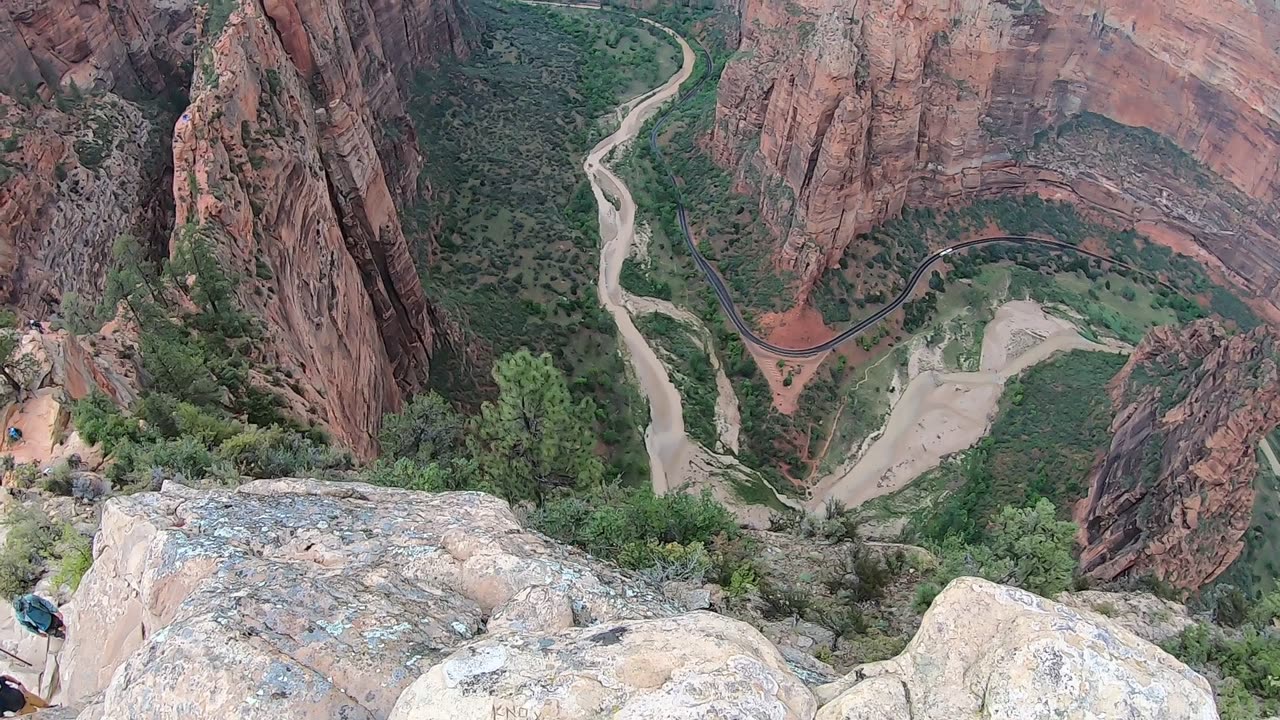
(665, 439)
(941, 413)
(728, 416)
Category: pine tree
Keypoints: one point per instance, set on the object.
(534, 437)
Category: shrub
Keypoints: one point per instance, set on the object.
(30, 539)
(57, 481)
(925, 593)
(663, 562)
(427, 429)
(75, 556)
(742, 581)
(1231, 607)
(605, 521)
(780, 602)
(25, 475)
(98, 420)
(275, 452)
(405, 474)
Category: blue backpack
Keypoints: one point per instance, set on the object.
(37, 615)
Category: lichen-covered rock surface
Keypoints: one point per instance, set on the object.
(301, 599)
(699, 665)
(298, 599)
(989, 651)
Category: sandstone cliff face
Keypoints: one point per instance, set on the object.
(859, 108)
(1174, 494)
(83, 162)
(131, 47)
(292, 159)
(71, 181)
(276, 160)
(300, 599)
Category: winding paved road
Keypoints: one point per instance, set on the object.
(726, 300)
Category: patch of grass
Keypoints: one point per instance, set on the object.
(1052, 421)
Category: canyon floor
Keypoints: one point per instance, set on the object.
(940, 413)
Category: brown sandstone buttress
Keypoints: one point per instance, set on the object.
(861, 107)
(1173, 495)
(293, 157)
(294, 151)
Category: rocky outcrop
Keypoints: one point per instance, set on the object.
(1173, 495)
(1153, 619)
(73, 177)
(699, 665)
(301, 599)
(990, 651)
(131, 47)
(838, 116)
(290, 158)
(296, 598)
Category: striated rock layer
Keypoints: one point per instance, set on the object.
(277, 159)
(298, 599)
(132, 47)
(838, 114)
(291, 161)
(71, 182)
(1173, 496)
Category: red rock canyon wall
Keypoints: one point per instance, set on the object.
(839, 113)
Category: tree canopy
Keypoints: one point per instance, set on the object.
(534, 437)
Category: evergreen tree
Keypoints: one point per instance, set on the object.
(426, 429)
(534, 437)
(1039, 546)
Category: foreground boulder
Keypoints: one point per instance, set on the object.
(302, 599)
(699, 665)
(987, 651)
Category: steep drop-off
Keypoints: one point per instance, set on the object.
(298, 599)
(1174, 494)
(291, 160)
(292, 153)
(837, 115)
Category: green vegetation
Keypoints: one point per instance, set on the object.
(534, 443)
(1244, 664)
(534, 437)
(75, 555)
(31, 543)
(639, 280)
(638, 529)
(1114, 300)
(531, 441)
(217, 13)
(511, 227)
(1259, 565)
(1025, 547)
(427, 429)
(690, 370)
(200, 416)
(1051, 422)
(14, 366)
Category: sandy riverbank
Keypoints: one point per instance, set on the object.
(940, 413)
